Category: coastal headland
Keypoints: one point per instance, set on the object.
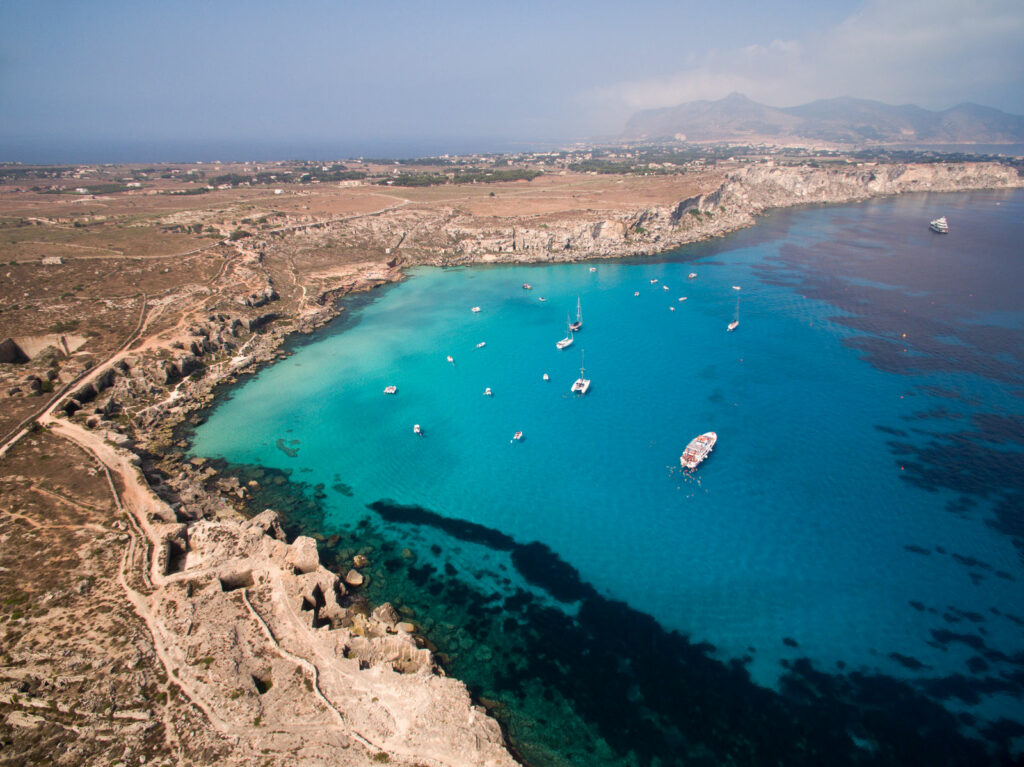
(149, 611)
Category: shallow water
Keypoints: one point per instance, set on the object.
(860, 514)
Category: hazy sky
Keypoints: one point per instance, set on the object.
(75, 76)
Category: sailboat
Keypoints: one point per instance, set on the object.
(574, 326)
(736, 322)
(581, 384)
(566, 342)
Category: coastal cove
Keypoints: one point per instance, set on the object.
(824, 570)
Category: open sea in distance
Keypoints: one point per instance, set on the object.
(840, 582)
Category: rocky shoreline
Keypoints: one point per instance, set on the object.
(283, 657)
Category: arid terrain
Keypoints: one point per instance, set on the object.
(151, 614)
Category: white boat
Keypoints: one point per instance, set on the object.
(547, 377)
(682, 298)
(542, 299)
(698, 449)
(671, 308)
(736, 320)
(451, 359)
(637, 293)
(517, 437)
(581, 385)
(527, 286)
(566, 342)
(574, 326)
(417, 430)
(940, 225)
(593, 268)
(664, 287)
(488, 392)
(475, 310)
(481, 345)
(391, 390)
(654, 281)
(691, 275)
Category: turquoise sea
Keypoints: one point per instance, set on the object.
(841, 581)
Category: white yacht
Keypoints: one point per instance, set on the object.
(581, 385)
(940, 225)
(391, 390)
(475, 310)
(566, 342)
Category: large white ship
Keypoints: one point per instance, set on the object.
(698, 449)
(940, 225)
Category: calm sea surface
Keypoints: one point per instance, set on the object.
(841, 580)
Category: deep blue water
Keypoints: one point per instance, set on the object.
(853, 544)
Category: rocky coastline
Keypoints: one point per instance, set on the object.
(286, 661)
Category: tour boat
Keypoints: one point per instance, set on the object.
(517, 436)
(417, 430)
(581, 384)
(574, 326)
(939, 225)
(475, 310)
(566, 342)
(391, 390)
(698, 449)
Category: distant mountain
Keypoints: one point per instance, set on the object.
(834, 121)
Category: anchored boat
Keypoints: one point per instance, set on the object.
(698, 449)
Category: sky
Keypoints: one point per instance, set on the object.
(116, 81)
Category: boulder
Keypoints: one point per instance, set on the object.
(386, 614)
(354, 578)
(302, 555)
(360, 561)
(269, 522)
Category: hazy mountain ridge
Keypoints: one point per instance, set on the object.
(835, 121)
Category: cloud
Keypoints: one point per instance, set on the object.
(936, 54)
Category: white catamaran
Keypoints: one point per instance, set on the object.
(581, 385)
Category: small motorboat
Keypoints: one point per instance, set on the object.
(475, 310)
(593, 268)
(417, 430)
(547, 377)
(527, 286)
(691, 275)
(654, 281)
(517, 437)
(664, 287)
(671, 308)
(637, 293)
(682, 298)
(488, 392)
(391, 390)
(542, 298)
(451, 359)
(481, 345)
